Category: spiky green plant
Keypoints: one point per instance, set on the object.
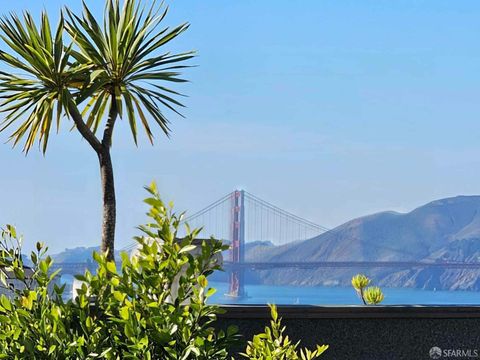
(359, 283)
(373, 295)
(273, 344)
(98, 73)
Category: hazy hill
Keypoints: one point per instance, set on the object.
(78, 255)
(443, 229)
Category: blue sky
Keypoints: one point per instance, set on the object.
(329, 109)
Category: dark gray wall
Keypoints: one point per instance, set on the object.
(370, 333)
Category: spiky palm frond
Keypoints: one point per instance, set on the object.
(126, 66)
(117, 64)
(34, 92)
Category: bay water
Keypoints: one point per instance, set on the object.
(296, 295)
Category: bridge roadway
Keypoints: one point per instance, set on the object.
(352, 264)
(78, 268)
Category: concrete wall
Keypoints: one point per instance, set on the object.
(371, 333)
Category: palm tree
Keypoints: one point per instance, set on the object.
(102, 72)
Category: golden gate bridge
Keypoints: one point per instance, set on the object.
(240, 218)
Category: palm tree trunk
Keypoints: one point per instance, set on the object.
(109, 204)
(106, 172)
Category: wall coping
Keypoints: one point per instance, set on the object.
(353, 312)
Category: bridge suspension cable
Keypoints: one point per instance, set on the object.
(264, 222)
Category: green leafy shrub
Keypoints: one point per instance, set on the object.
(35, 322)
(153, 307)
(274, 345)
(370, 295)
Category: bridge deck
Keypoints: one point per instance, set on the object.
(77, 268)
(353, 264)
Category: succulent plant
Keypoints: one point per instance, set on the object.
(372, 295)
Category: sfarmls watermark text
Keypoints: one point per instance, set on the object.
(438, 353)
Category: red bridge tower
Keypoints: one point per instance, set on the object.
(237, 250)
